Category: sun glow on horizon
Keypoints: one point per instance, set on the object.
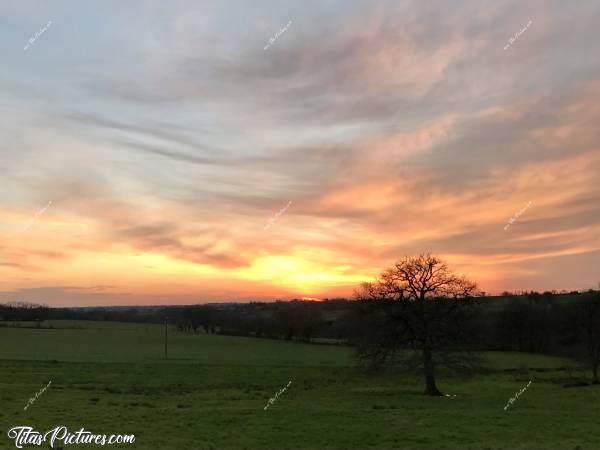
(297, 274)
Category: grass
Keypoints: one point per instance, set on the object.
(124, 342)
(111, 379)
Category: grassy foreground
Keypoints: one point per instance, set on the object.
(113, 379)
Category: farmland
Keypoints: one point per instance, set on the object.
(210, 394)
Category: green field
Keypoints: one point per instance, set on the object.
(112, 378)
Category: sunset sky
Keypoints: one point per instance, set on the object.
(156, 152)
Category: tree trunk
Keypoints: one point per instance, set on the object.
(430, 387)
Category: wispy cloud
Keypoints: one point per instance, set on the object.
(396, 128)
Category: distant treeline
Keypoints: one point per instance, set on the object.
(530, 322)
(31, 312)
(298, 320)
(278, 320)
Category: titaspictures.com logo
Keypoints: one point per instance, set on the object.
(25, 435)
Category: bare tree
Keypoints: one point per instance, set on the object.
(423, 302)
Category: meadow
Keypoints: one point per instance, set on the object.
(112, 378)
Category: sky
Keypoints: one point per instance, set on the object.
(199, 151)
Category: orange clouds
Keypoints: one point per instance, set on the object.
(389, 130)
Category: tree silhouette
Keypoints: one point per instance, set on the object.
(419, 304)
